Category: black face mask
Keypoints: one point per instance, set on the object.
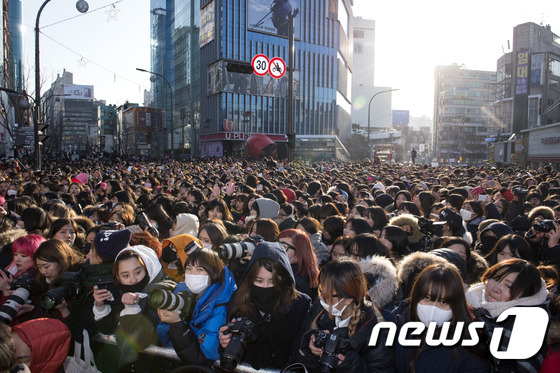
(264, 298)
(87, 247)
(168, 255)
(488, 243)
(136, 288)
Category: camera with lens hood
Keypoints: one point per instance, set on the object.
(11, 307)
(332, 345)
(430, 228)
(243, 332)
(182, 301)
(238, 250)
(545, 225)
(70, 288)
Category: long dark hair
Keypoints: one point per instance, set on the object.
(283, 282)
(518, 245)
(57, 251)
(527, 283)
(306, 259)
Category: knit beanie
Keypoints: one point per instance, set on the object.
(109, 243)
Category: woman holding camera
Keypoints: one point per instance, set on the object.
(268, 299)
(438, 296)
(193, 331)
(137, 271)
(342, 309)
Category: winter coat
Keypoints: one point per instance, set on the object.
(360, 357)
(472, 226)
(49, 341)
(488, 312)
(135, 324)
(303, 283)
(384, 280)
(196, 341)
(411, 266)
(434, 359)
(415, 239)
(321, 250)
(275, 334)
(476, 266)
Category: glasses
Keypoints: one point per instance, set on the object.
(287, 246)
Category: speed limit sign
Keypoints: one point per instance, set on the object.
(260, 64)
(277, 67)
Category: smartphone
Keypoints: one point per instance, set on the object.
(477, 190)
(482, 197)
(109, 284)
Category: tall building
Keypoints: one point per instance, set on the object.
(462, 114)
(194, 42)
(15, 21)
(70, 110)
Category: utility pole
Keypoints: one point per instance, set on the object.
(291, 67)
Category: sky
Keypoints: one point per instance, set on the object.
(412, 37)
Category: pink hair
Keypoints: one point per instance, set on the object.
(306, 259)
(28, 244)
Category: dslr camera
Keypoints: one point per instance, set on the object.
(332, 345)
(70, 288)
(430, 228)
(10, 308)
(182, 301)
(243, 331)
(144, 223)
(545, 225)
(238, 250)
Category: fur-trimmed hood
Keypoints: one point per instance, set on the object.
(10, 236)
(476, 266)
(411, 266)
(384, 274)
(475, 296)
(412, 221)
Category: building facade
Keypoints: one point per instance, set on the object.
(194, 42)
(462, 114)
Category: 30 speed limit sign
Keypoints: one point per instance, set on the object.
(260, 64)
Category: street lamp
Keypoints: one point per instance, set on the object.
(369, 112)
(82, 7)
(171, 94)
(247, 116)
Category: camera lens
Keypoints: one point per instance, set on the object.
(10, 308)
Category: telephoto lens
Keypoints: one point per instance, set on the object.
(10, 308)
(57, 295)
(182, 301)
(229, 251)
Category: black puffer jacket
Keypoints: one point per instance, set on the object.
(361, 357)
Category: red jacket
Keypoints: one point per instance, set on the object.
(49, 341)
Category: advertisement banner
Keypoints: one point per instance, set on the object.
(207, 24)
(272, 16)
(522, 72)
(212, 149)
(537, 61)
(78, 92)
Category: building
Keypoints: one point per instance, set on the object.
(420, 138)
(15, 48)
(462, 114)
(109, 133)
(70, 110)
(193, 43)
(526, 96)
(141, 130)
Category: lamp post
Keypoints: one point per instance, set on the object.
(171, 94)
(82, 7)
(247, 116)
(369, 112)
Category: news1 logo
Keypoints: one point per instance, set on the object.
(526, 339)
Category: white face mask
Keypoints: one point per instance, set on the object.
(334, 311)
(12, 192)
(197, 284)
(207, 245)
(430, 313)
(249, 218)
(466, 214)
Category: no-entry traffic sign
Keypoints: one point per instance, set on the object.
(277, 67)
(260, 64)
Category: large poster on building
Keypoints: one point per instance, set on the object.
(207, 24)
(522, 72)
(78, 92)
(272, 16)
(537, 61)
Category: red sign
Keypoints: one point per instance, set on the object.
(277, 67)
(260, 64)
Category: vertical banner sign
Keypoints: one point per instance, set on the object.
(522, 73)
(537, 61)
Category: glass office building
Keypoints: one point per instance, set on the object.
(193, 42)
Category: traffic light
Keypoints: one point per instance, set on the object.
(291, 139)
(241, 68)
(42, 129)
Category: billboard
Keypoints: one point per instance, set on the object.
(522, 73)
(537, 67)
(78, 92)
(401, 116)
(207, 24)
(272, 16)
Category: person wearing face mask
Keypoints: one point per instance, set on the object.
(438, 296)
(212, 233)
(489, 237)
(268, 297)
(174, 253)
(137, 271)
(472, 213)
(342, 309)
(511, 283)
(302, 259)
(196, 340)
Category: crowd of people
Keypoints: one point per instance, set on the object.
(269, 263)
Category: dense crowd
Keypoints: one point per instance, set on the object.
(269, 263)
